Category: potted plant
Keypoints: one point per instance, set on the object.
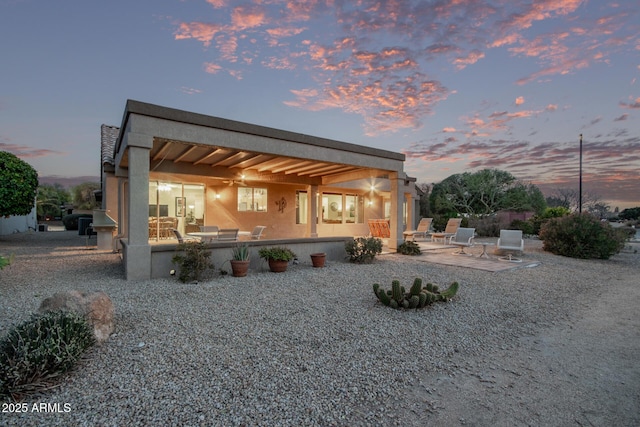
(240, 260)
(318, 259)
(278, 257)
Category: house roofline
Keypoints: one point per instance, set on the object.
(172, 114)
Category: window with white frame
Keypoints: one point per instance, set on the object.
(251, 199)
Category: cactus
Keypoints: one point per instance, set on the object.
(383, 297)
(414, 301)
(396, 291)
(451, 291)
(417, 297)
(422, 300)
(417, 286)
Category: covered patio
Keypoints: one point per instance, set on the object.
(165, 168)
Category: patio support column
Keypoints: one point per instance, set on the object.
(138, 256)
(397, 185)
(312, 215)
(411, 222)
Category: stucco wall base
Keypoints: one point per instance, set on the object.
(137, 261)
(161, 255)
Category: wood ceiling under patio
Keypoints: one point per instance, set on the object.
(193, 158)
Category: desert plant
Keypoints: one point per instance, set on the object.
(4, 261)
(193, 261)
(38, 351)
(241, 253)
(277, 253)
(363, 249)
(527, 227)
(417, 297)
(409, 248)
(581, 236)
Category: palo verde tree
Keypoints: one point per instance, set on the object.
(18, 185)
(484, 192)
(83, 195)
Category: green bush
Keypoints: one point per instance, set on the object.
(277, 253)
(581, 236)
(539, 220)
(40, 350)
(193, 261)
(71, 221)
(363, 249)
(526, 227)
(409, 248)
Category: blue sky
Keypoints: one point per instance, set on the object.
(457, 85)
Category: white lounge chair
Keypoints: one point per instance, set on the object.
(228, 234)
(464, 239)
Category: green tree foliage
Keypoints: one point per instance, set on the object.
(18, 185)
(83, 195)
(630, 214)
(484, 192)
(50, 198)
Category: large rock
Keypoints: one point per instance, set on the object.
(96, 307)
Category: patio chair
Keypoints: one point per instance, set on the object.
(510, 241)
(182, 239)
(209, 228)
(464, 239)
(449, 231)
(228, 234)
(422, 230)
(256, 234)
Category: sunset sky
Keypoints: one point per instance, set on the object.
(456, 85)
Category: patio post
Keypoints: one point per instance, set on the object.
(312, 214)
(138, 262)
(397, 185)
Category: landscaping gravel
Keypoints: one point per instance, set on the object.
(556, 344)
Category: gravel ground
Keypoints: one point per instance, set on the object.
(553, 345)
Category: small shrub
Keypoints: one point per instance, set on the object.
(539, 220)
(193, 261)
(277, 253)
(5, 261)
(581, 236)
(488, 226)
(409, 248)
(71, 221)
(363, 249)
(40, 350)
(525, 226)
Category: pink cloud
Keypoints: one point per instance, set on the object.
(244, 17)
(26, 152)
(520, 100)
(200, 31)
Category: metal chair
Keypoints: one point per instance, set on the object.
(228, 234)
(510, 241)
(464, 239)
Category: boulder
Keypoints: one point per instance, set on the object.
(96, 307)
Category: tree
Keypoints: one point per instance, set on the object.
(424, 199)
(630, 213)
(18, 185)
(484, 192)
(50, 198)
(83, 195)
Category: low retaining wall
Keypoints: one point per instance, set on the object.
(221, 252)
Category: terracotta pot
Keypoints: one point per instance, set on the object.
(278, 266)
(239, 268)
(318, 259)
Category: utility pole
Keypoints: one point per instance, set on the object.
(580, 183)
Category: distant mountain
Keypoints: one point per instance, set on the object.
(67, 181)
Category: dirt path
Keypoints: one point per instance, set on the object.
(585, 372)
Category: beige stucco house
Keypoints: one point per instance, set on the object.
(190, 169)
